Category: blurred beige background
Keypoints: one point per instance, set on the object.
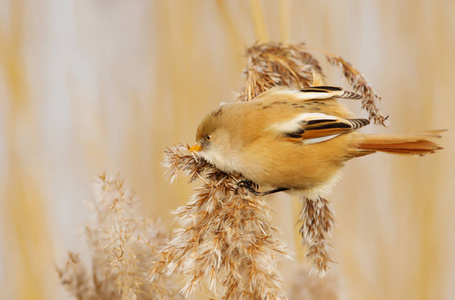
(94, 85)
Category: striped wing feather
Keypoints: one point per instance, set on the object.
(326, 92)
(325, 127)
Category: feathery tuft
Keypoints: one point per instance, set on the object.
(370, 100)
(317, 221)
(122, 249)
(279, 64)
(226, 239)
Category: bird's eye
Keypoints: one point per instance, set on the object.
(207, 138)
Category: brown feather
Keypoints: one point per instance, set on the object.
(321, 128)
(418, 144)
(335, 91)
(350, 95)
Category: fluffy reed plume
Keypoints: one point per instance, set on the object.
(273, 64)
(226, 240)
(75, 279)
(360, 86)
(317, 223)
(122, 247)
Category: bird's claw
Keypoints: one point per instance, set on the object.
(249, 185)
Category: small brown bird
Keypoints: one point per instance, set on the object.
(296, 140)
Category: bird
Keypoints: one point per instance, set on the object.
(296, 140)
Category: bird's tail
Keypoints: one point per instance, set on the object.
(409, 144)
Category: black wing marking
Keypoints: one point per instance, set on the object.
(325, 127)
(331, 91)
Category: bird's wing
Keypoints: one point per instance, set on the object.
(326, 92)
(313, 128)
(312, 93)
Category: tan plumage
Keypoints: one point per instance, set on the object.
(295, 139)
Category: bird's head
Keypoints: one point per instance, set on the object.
(213, 139)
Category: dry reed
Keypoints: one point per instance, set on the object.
(123, 247)
(317, 221)
(281, 64)
(360, 85)
(226, 240)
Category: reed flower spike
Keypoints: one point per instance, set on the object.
(226, 239)
(123, 247)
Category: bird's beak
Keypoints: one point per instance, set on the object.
(196, 148)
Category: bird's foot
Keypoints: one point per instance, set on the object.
(249, 185)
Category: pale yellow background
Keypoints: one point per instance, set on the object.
(94, 85)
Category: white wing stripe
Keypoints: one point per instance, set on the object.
(296, 123)
(313, 95)
(320, 139)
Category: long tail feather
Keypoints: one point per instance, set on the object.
(412, 144)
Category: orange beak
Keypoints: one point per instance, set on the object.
(196, 148)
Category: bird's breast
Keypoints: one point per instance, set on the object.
(226, 161)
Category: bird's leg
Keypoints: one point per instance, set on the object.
(273, 191)
(251, 186)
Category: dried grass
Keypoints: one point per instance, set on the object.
(226, 239)
(274, 63)
(317, 223)
(360, 85)
(123, 248)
